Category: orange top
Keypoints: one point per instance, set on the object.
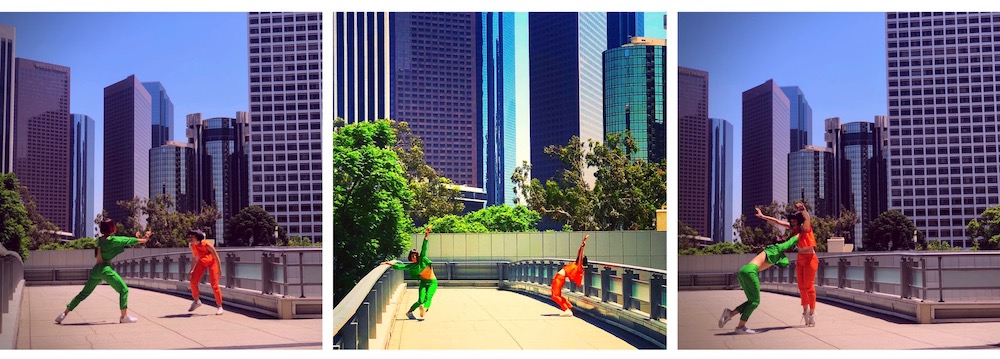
(201, 251)
(806, 237)
(574, 272)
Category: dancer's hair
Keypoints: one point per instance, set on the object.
(197, 234)
(108, 226)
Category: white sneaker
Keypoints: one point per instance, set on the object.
(60, 318)
(726, 316)
(194, 305)
(128, 320)
(219, 312)
(745, 330)
(805, 319)
(566, 313)
(811, 320)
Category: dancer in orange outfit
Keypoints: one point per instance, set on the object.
(205, 257)
(807, 263)
(574, 271)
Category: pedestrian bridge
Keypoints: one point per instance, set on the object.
(506, 305)
(260, 288)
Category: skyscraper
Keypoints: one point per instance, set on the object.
(565, 79)
(496, 113)
(127, 123)
(622, 26)
(172, 173)
(721, 200)
(860, 156)
(942, 92)
(7, 42)
(285, 119)
(801, 118)
(811, 178)
(42, 140)
(765, 148)
(220, 166)
(693, 150)
(163, 113)
(635, 84)
(361, 66)
(434, 81)
(83, 163)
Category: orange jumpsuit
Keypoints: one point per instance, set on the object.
(575, 273)
(205, 260)
(805, 268)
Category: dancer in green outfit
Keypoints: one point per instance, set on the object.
(420, 266)
(771, 255)
(108, 247)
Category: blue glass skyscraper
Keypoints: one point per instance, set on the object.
(82, 188)
(163, 113)
(565, 79)
(622, 26)
(635, 83)
(361, 65)
(496, 111)
(800, 116)
(721, 188)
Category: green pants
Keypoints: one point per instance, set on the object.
(751, 287)
(427, 289)
(97, 274)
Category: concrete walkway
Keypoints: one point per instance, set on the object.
(482, 318)
(164, 323)
(778, 319)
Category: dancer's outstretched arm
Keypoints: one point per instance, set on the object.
(423, 248)
(579, 252)
(772, 219)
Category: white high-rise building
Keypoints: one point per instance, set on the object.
(943, 130)
(285, 119)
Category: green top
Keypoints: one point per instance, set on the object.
(414, 268)
(776, 252)
(112, 246)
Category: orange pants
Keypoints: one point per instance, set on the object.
(805, 274)
(213, 278)
(557, 286)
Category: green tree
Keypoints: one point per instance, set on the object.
(756, 238)
(370, 198)
(985, 231)
(892, 231)
(433, 195)
(939, 246)
(454, 224)
(503, 218)
(298, 241)
(625, 195)
(686, 240)
(253, 227)
(169, 227)
(15, 221)
(726, 248)
(42, 231)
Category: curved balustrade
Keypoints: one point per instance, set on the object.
(631, 287)
(356, 317)
(11, 276)
(288, 272)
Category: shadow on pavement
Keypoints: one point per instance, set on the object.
(187, 315)
(759, 331)
(87, 323)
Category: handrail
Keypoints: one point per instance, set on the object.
(11, 275)
(343, 312)
(605, 264)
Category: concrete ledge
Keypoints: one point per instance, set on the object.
(273, 305)
(12, 319)
(484, 283)
(634, 322)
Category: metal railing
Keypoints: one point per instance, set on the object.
(288, 272)
(639, 288)
(356, 317)
(927, 276)
(11, 275)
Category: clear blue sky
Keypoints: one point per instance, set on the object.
(653, 22)
(837, 59)
(200, 58)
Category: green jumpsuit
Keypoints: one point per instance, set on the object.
(108, 248)
(427, 286)
(747, 276)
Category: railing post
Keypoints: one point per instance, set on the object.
(821, 272)
(166, 267)
(841, 272)
(448, 266)
(588, 275)
(905, 279)
(923, 279)
(867, 275)
(655, 296)
(142, 268)
(181, 266)
(382, 294)
(940, 282)
(372, 317)
(284, 275)
(606, 283)
(302, 279)
(265, 274)
(781, 275)
(152, 267)
(627, 283)
(791, 272)
(351, 333)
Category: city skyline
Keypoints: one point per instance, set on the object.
(813, 51)
(201, 71)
